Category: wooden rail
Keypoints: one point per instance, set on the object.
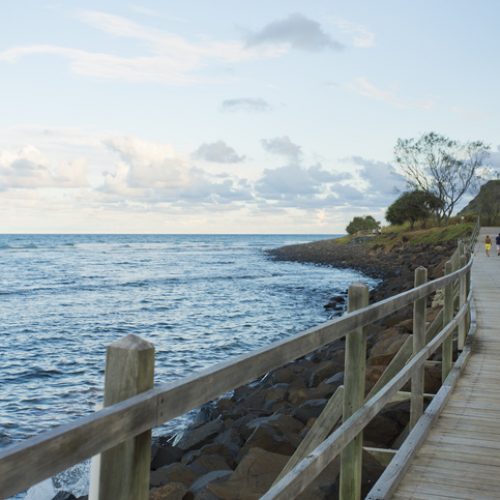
(54, 451)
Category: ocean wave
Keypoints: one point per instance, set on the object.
(27, 246)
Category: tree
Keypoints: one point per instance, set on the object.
(366, 223)
(412, 206)
(441, 166)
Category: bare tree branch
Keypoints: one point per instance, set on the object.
(441, 166)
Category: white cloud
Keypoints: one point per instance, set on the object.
(297, 32)
(169, 58)
(283, 146)
(150, 165)
(381, 176)
(300, 186)
(154, 173)
(28, 168)
(367, 89)
(217, 152)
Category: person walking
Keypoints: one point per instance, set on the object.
(498, 244)
(487, 245)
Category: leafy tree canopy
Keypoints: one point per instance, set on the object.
(366, 223)
(441, 166)
(413, 206)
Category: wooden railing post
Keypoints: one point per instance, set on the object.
(461, 247)
(463, 326)
(417, 381)
(124, 471)
(447, 349)
(354, 394)
(467, 290)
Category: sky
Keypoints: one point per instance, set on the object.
(230, 116)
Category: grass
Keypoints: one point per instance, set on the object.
(393, 236)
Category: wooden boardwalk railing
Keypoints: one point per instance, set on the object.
(126, 424)
(460, 457)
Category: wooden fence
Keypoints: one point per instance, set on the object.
(121, 431)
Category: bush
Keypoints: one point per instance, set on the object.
(366, 223)
(411, 207)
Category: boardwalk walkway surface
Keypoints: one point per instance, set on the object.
(461, 457)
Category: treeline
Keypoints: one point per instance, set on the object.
(439, 171)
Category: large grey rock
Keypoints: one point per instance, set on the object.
(298, 396)
(278, 433)
(197, 437)
(170, 491)
(207, 463)
(276, 392)
(309, 409)
(164, 455)
(382, 430)
(230, 438)
(336, 379)
(208, 478)
(283, 375)
(253, 476)
(324, 370)
(64, 495)
(285, 423)
(173, 473)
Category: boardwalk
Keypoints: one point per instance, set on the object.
(461, 457)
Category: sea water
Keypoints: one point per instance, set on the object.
(200, 299)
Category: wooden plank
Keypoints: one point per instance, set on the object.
(454, 454)
(324, 424)
(462, 327)
(466, 423)
(447, 349)
(354, 394)
(457, 493)
(434, 327)
(417, 381)
(484, 477)
(417, 496)
(406, 395)
(470, 442)
(382, 455)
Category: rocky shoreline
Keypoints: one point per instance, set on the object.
(239, 444)
(395, 267)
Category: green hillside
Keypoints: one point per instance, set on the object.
(486, 204)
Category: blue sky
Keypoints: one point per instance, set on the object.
(221, 117)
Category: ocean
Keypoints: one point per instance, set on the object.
(199, 299)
